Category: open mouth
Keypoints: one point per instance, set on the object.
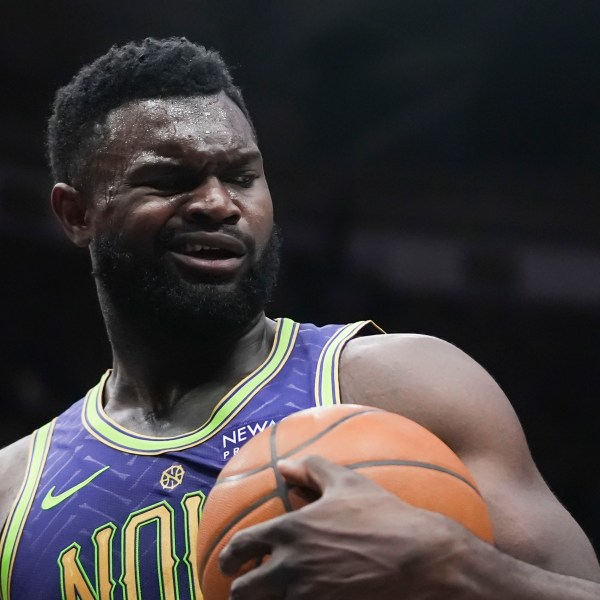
(213, 255)
(206, 252)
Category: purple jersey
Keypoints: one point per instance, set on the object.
(108, 514)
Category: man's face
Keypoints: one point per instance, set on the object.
(182, 215)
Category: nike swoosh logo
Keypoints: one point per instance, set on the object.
(50, 501)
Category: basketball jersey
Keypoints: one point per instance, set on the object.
(108, 514)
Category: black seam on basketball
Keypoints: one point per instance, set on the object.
(325, 431)
(281, 486)
(232, 523)
(411, 463)
(301, 446)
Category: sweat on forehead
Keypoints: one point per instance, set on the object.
(210, 119)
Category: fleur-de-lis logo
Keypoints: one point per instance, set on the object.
(172, 477)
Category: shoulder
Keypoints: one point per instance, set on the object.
(411, 357)
(413, 364)
(402, 345)
(432, 382)
(13, 464)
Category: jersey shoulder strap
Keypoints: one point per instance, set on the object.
(327, 380)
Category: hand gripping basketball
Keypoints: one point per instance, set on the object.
(390, 450)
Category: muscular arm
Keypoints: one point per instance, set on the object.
(358, 538)
(437, 385)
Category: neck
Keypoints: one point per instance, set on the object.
(155, 370)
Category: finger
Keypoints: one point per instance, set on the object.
(246, 546)
(266, 582)
(313, 472)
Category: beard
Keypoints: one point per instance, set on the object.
(151, 294)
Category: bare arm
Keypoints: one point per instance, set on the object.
(439, 386)
(360, 540)
(501, 576)
(13, 462)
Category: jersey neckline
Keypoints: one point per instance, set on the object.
(101, 426)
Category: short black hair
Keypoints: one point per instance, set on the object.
(153, 68)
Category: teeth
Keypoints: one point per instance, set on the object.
(197, 248)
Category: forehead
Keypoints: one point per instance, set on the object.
(206, 124)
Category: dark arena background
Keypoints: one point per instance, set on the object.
(435, 167)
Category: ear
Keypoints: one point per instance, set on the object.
(73, 212)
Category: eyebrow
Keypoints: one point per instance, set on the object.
(152, 162)
(171, 151)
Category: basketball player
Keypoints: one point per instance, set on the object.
(159, 175)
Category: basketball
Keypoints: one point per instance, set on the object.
(391, 450)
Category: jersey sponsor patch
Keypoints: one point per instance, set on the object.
(233, 439)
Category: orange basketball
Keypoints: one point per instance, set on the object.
(393, 451)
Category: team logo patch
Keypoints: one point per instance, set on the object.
(172, 477)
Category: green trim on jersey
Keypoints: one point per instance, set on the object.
(327, 381)
(22, 505)
(103, 428)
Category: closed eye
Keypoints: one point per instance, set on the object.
(168, 179)
(245, 179)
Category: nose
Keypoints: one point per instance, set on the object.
(211, 202)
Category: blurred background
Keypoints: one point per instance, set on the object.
(435, 167)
